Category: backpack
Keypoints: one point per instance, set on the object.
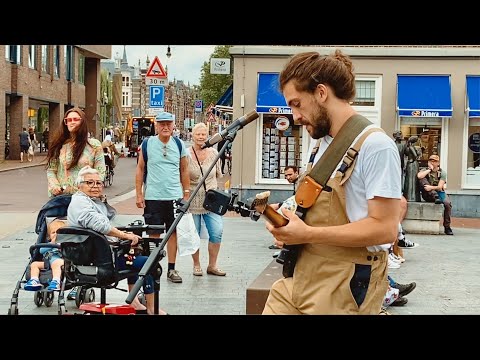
(145, 155)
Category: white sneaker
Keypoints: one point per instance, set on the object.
(393, 264)
(393, 257)
(398, 258)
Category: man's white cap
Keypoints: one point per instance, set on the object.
(164, 116)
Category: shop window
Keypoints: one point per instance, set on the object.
(428, 131)
(473, 153)
(281, 145)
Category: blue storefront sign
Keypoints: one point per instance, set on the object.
(424, 95)
(269, 97)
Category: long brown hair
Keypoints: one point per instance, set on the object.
(62, 135)
(309, 69)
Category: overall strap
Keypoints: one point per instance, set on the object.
(324, 168)
(350, 158)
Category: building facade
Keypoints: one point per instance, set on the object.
(50, 77)
(429, 92)
(134, 92)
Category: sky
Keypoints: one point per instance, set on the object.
(184, 64)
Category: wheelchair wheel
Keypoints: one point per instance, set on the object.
(79, 298)
(48, 298)
(89, 296)
(38, 298)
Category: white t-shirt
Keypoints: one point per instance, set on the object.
(376, 173)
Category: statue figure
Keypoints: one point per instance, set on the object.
(413, 153)
(398, 137)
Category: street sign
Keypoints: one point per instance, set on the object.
(211, 118)
(157, 96)
(155, 81)
(220, 66)
(198, 106)
(156, 70)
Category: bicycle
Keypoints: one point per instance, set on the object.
(108, 181)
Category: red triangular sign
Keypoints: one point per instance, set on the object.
(156, 69)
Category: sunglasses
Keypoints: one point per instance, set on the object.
(67, 120)
(92, 183)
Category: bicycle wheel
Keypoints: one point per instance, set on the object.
(106, 181)
(110, 177)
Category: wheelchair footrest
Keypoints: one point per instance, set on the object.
(108, 309)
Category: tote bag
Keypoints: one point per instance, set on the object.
(188, 240)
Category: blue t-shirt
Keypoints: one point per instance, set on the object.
(163, 165)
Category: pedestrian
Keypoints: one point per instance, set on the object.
(345, 236)
(433, 181)
(24, 144)
(199, 160)
(45, 138)
(223, 157)
(166, 181)
(33, 142)
(70, 150)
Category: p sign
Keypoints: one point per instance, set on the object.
(157, 96)
(198, 106)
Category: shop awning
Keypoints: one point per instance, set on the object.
(227, 98)
(424, 95)
(269, 97)
(473, 96)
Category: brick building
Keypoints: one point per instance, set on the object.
(53, 78)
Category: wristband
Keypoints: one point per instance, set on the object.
(186, 191)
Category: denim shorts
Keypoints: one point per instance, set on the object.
(55, 254)
(214, 224)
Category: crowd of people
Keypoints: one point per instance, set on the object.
(352, 228)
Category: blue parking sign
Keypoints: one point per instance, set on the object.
(157, 96)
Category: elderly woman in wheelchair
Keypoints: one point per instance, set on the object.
(89, 209)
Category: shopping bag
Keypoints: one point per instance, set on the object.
(188, 240)
(30, 150)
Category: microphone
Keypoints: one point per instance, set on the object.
(234, 126)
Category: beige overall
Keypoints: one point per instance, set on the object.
(323, 273)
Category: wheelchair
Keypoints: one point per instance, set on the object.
(91, 262)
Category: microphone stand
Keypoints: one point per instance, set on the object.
(158, 253)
